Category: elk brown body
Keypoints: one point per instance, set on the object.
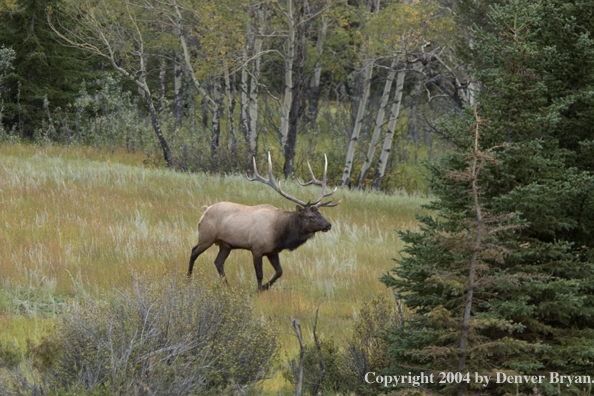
(263, 229)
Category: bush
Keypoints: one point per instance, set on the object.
(162, 338)
(366, 350)
(333, 379)
(10, 355)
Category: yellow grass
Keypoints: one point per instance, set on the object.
(79, 216)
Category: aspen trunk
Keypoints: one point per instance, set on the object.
(372, 7)
(162, 84)
(216, 120)
(367, 73)
(155, 122)
(253, 109)
(252, 130)
(243, 86)
(230, 105)
(314, 86)
(379, 124)
(289, 56)
(178, 74)
(387, 147)
(412, 124)
(298, 92)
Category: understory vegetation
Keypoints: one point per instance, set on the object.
(161, 337)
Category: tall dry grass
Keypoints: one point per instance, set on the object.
(79, 216)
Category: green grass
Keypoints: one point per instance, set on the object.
(78, 218)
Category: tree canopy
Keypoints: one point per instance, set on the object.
(525, 305)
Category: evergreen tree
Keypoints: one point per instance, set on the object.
(43, 67)
(502, 278)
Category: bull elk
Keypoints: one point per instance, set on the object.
(263, 229)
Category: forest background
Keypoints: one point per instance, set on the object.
(206, 85)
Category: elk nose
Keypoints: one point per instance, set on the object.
(328, 227)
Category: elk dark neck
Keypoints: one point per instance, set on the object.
(290, 233)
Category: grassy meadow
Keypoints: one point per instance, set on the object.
(82, 221)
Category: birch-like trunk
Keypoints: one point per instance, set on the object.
(298, 92)
(289, 56)
(314, 86)
(155, 121)
(379, 124)
(162, 84)
(178, 74)
(252, 131)
(373, 8)
(243, 86)
(230, 105)
(367, 73)
(216, 120)
(253, 109)
(387, 147)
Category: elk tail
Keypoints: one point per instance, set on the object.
(204, 207)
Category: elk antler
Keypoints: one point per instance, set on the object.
(270, 182)
(322, 183)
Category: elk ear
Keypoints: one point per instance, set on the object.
(299, 208)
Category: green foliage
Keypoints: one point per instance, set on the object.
(333, 379)
(365, 350)
(401, 27)
(10, 355)
(106, 118)
(532, 300)
(42, 67)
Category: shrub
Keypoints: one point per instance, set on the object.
(10, 355)
(366, 350)
(333, 379)
(161, 338)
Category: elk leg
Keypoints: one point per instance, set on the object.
(224, 251)
(197, 251)
(274, 260)
(258, 268)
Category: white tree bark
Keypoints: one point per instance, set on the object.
(252, 131)
(216, 120)
(289, 57)
(379, 124)
(372, 7)
(229, 106)
(387, 147)
(314, 86)
(243, 86)
(367, 73)
(162, 84)
(177, 88)
(253, 108)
